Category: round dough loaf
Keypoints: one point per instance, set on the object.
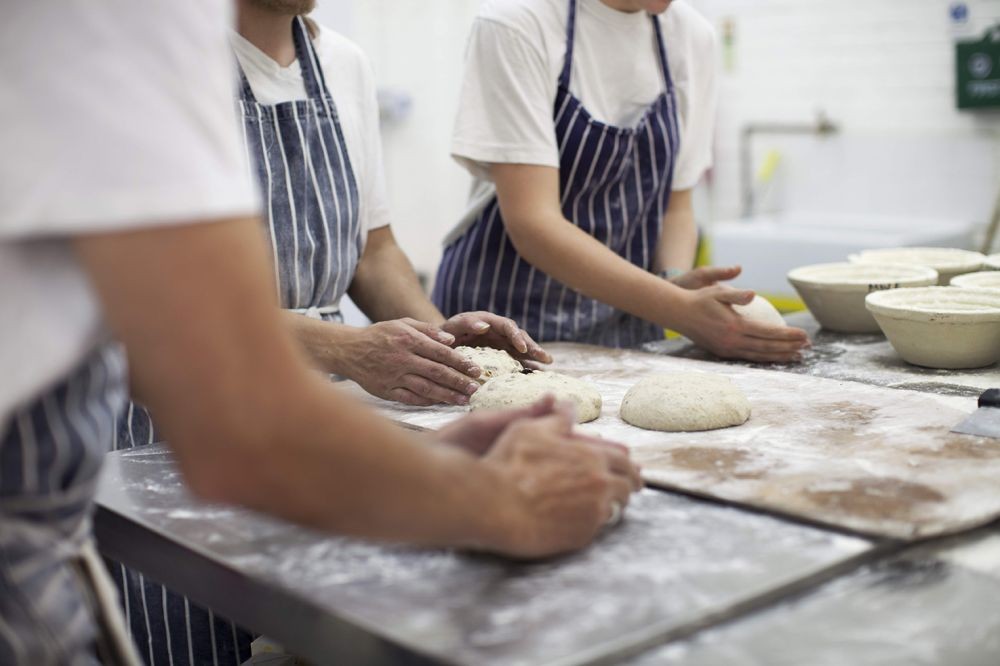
(685, 402)
(761, 310)
(522, 390)
(492, 362)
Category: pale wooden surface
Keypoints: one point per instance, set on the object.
(874, 460)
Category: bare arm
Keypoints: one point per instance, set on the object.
(678, 242)
(402, 357)
(385, 286)
(529, 203)
(250, 424)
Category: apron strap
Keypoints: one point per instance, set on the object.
(312, 72)
(567, 69)
(246, 92)
(114, 640)
(662, 52)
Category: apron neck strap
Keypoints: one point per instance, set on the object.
(246, 92)
(567, 69)
(661, 50)
(312, 73)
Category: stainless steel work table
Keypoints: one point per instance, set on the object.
(674, 565)
(929, 606)
(680, 581)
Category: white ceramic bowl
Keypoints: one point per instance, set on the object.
(992, 262)
(948, 262)
(989, 280)
(940, 327)
(835, 293)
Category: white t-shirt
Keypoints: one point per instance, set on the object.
(516, 53)
(351, 82)
(117, 115)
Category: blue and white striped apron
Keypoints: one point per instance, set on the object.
(298, 153)
(57, 605)
(614, 184)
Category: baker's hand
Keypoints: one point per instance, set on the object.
(706, 276)
(710, 321)
(411, 362)
(478, 431)
(485, 329)
(558, 490)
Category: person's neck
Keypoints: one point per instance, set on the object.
(627, 6)
(269, 31)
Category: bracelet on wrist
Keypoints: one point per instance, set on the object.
(671, 273)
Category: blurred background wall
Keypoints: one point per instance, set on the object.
(882, 71)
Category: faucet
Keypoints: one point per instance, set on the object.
(822, 127)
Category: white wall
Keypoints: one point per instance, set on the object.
(881, 69)
(416, 47)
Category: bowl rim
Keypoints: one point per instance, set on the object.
(964, 261)
(879, 303)
(992, 261)
(920, 275)
(972, 278)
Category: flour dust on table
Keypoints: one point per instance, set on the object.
(521, 390)
(492, 362)
(685, 402)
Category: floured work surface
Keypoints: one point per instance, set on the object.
(867, 358)
(672, 563)
(864, 458)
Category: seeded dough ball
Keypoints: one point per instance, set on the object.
(685, 402)
(493, 362)
(522, 390)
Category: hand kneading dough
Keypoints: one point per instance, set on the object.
(685, 402)
(493, 362)
(522, 390)
(761, 310)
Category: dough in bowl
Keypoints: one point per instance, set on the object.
(761, 310)
(522, 390)
(492, 362)
(685, 402)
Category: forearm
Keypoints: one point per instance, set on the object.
(249, 422)
(385, 286)
(326, 344)
(529, 204)
(354, 474)
(678, 243)
(560, 249)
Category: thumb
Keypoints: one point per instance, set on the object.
(729, 272)
(734, 296)
(562, 419)
(433, 332)
(543, 406)
(711, 274)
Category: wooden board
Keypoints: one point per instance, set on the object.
(864, 458)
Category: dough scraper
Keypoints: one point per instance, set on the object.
(985, 421)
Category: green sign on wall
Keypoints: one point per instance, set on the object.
(978, 71)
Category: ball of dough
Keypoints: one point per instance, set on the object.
(685, 402)
(761, 310)
(492, 362)
(522, 390)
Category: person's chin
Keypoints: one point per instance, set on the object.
(658, 6)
